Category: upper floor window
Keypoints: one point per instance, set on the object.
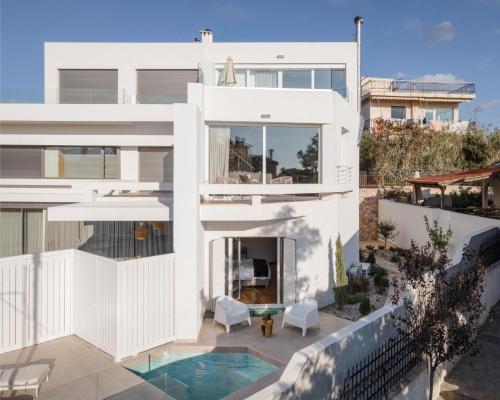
(164, 86)
(81, 162)
(296, 78)
(398, 112)
(263, 154)
(88, 86)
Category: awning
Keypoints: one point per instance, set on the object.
(458, 177)
(120, 210)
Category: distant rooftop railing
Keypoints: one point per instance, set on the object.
(379, 86)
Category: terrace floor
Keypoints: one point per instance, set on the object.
(83, 372)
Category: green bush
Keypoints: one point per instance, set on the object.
(465, 197)
(378, 270)
(380, 280)
(341, 296)
(358, 285)
(356, 298)
(395, 258)
(369, 247)
(365, 306)
(381, 247)
(371, 258)
(392, 249)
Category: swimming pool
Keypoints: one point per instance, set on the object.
(203, 376)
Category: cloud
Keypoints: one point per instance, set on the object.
(400, 75)
(447, 78)
(413, 24)
(486, 105)
(442, 32)
(234, 11)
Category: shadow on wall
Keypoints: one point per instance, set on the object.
(328, 368)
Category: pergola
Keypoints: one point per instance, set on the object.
(488, 176)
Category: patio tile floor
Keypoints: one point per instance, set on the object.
(81, 371)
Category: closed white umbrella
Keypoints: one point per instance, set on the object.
(228, 74)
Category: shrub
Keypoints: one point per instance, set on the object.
(369, 247)
(401, 252)
(438, 237)
(356, 298)
(465, 197)
(398, 195)
(395, 258)
(371, 258)
(365, 306)
(378, 270)
(380, 289)
(361, 256)
(341, 296)
(358, 285)
(392, 249)
(380, 280)
(341, 281)
(381, 247)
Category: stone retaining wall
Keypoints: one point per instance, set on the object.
(368, 213)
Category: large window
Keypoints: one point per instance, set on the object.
(235, 154)
(296, 78)
(164, 86)
(292, 154)
(91, 86)
(81, 162)
(263, 154)
(438, 114)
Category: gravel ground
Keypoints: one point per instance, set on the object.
(351, 311)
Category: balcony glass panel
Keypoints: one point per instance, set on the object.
(328, 78)
(300, 79)
(235, 154)
(81, 162)
(292, 154)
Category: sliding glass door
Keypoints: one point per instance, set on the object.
(258, 271)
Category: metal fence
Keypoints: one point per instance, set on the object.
(374, 376)
(374, 85)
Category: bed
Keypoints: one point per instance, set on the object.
(254, 272)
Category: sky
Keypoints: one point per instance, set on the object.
(431, 39)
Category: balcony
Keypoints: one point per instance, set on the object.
(397, 88)
(62, 96)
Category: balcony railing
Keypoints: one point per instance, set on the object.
(380, 86)
(62, 96)
(344, 174)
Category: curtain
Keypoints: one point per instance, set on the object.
(62, 235)
(266, 79)
(218, 152)
(33, 224)
(11, 232)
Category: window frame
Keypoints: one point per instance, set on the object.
(398, 107)
(264, 147)
(103, 156)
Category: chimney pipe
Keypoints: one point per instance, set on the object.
(358, 21)
(206, 35)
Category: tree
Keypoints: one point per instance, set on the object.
(387, 229)
(441, 306)
(341, 281)
(475, 151)
(439, 239)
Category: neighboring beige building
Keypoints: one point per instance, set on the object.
(435, 104)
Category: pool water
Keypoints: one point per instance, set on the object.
(203, 376)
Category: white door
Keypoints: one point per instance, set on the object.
(289, 271)
(218, 267)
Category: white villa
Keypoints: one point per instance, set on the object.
(156, 183)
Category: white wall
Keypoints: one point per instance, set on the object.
(36, 298)
(410, 223)
(120, 307)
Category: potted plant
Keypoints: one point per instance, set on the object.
(267, 324)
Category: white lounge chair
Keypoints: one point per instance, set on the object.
(28, 377)
(303, 314)
(229, 311)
